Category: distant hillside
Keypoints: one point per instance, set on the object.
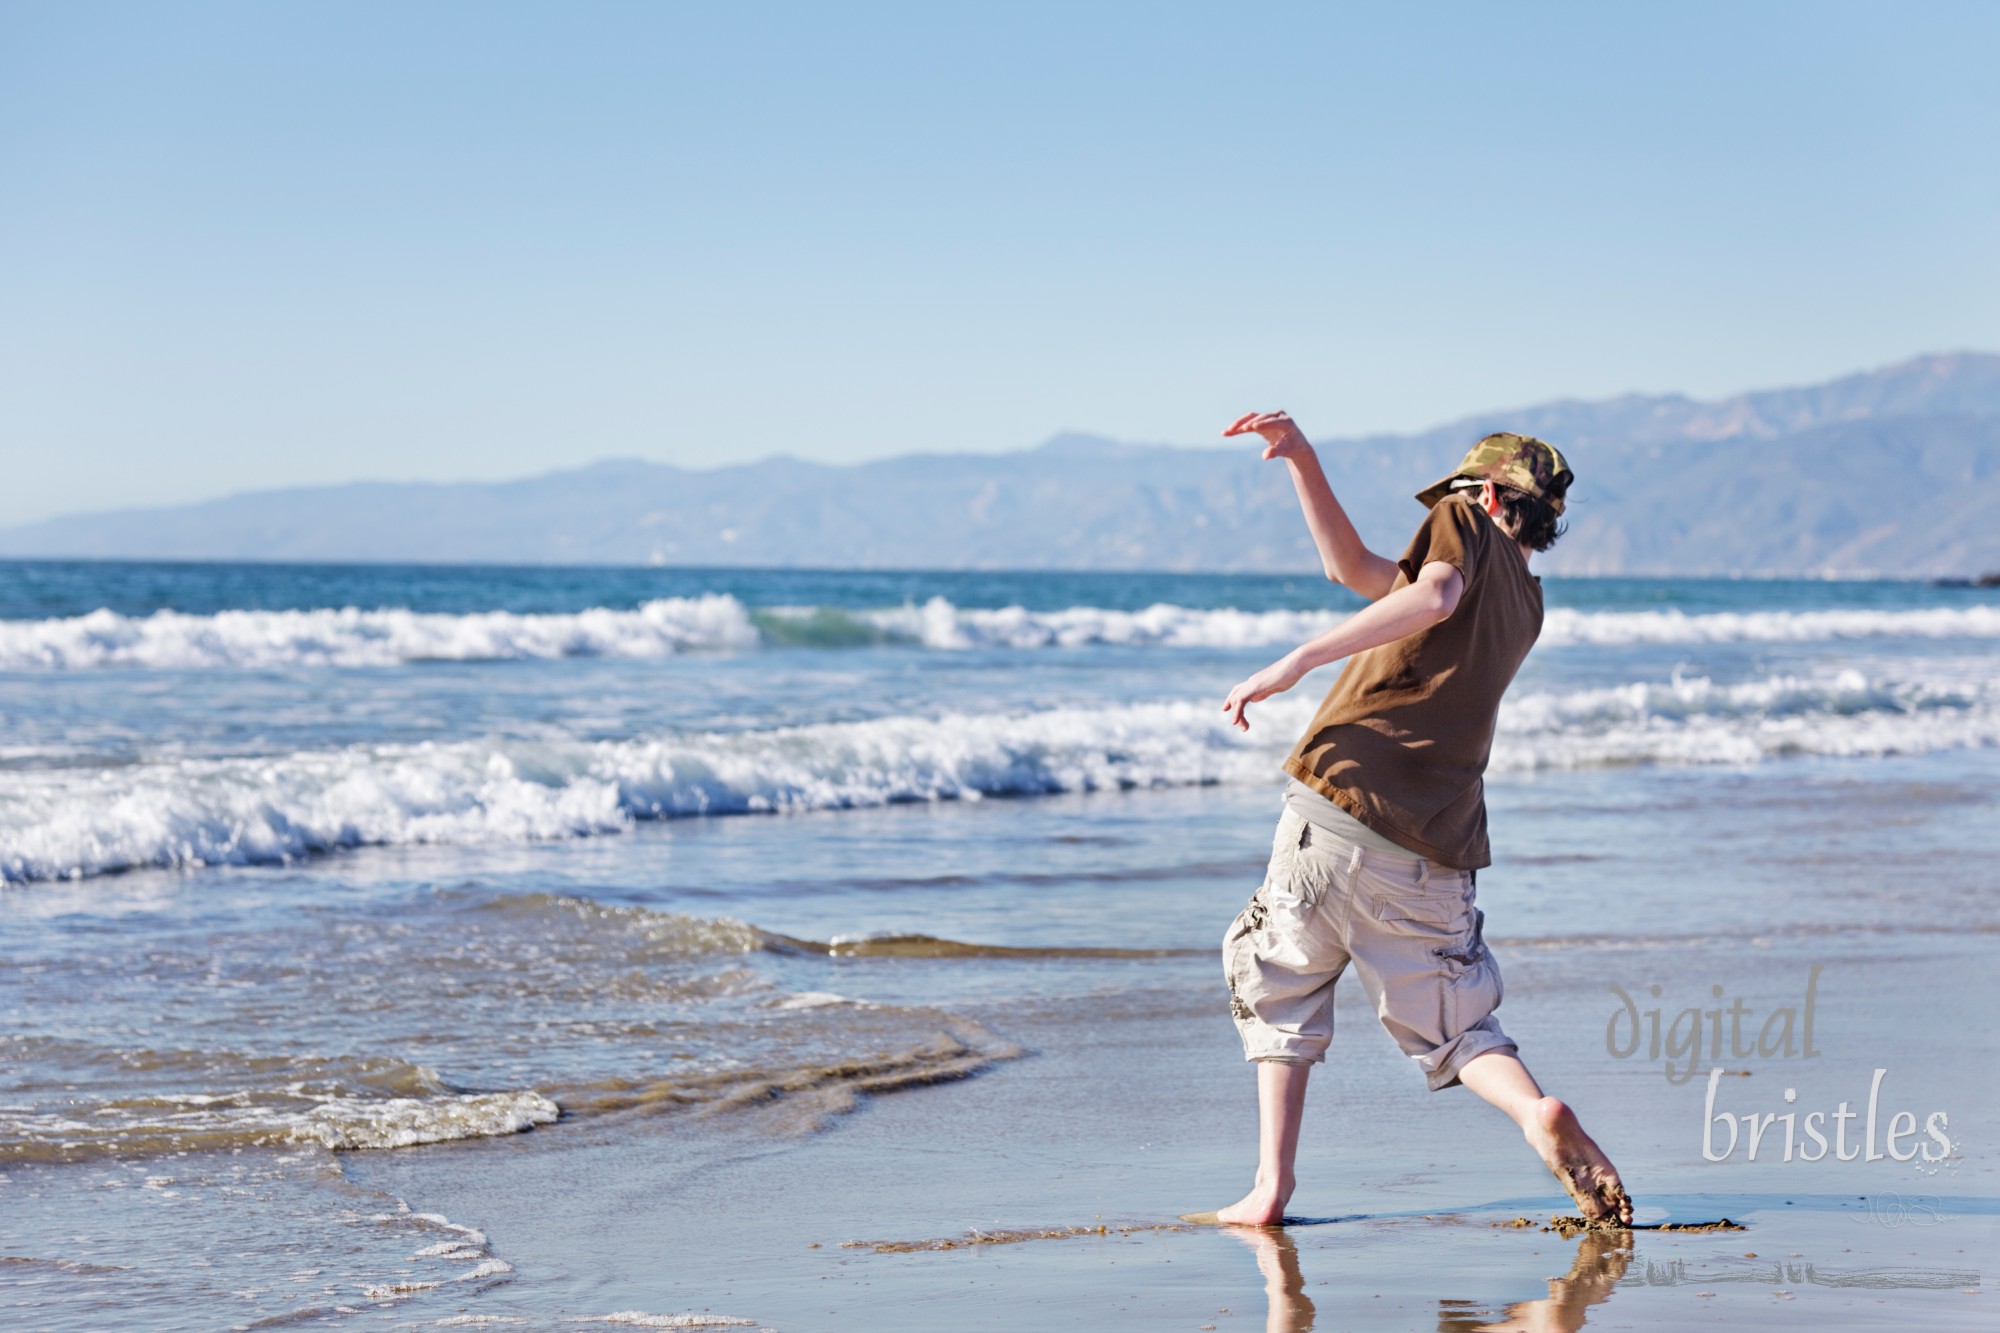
(1887, 472)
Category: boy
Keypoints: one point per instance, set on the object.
(1385, 816)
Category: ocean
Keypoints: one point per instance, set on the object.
(404, 945)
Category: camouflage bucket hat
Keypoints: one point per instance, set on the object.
(1523, 462)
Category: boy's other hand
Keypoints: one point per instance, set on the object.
(1282, 436)
(1276, 678)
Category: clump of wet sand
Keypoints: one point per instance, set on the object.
(1568, 1225)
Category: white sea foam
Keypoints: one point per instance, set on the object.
(352, 637)
(451, 1249)
(816, 999)
(293, 1114)
(348, 1123)
(1564, 626)
(485, 1269)
(1693, 720)
(640, 1319)
(662, 628)
(71, 822)
(939, 624)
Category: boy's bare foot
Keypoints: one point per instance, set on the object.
(1578, 1163)
(1263, 1206)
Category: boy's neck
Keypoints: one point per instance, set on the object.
(1527, 551)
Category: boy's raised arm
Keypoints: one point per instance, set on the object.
(1341, 552)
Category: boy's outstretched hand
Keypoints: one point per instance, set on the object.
(1282, 436)
(1276, 678)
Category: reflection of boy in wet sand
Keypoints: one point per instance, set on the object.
(1385, 819)
(1287, 1307)
(1599, 1266)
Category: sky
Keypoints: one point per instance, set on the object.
(246, 246)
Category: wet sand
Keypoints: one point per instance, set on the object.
(1127, 1121)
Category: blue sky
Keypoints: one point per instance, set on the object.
(250, 245)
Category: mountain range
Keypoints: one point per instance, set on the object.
(1882, 473)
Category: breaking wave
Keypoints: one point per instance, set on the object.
(1694, 720)
(939, 624)
(718, 622)
(71, 822)
(1565, 627)
(355, 638)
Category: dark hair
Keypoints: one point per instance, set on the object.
(1528, 519)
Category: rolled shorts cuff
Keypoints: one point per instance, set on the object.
(1263, 1042)
(1441, 1066)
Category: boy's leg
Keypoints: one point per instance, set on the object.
(1281, 1105)
(1553, 1131)
(1282, 956)
(1422, 957)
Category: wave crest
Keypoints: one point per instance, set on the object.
(57, 823)
(72, 822)
(718, 622)
(1564, 627)
(1694, 720)
(356, 638)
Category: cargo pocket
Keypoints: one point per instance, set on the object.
(1438, 920)
(1469, 952)
(1297, 875)
(1287, 924)
(1236, 948)
(1290, 931)
(1474, 978)
(1281, 876)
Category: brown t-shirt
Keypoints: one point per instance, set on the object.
(1402, 740)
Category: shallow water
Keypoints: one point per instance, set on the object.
(345, 982)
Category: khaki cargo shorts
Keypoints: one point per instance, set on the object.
(1407, 925)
